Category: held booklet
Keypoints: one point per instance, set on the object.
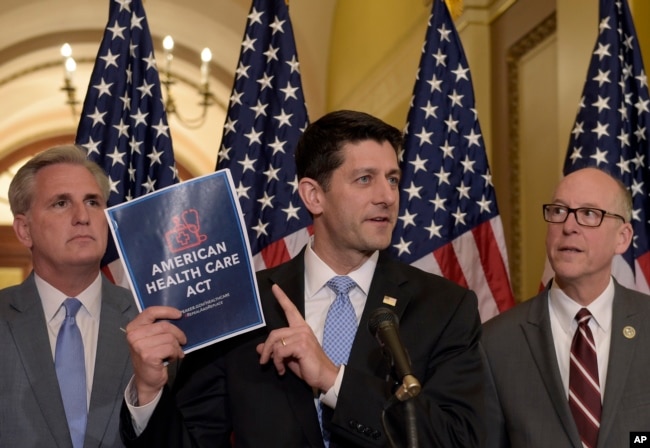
(185, 246)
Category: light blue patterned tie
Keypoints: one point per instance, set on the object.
(71, 372)
(340, 329)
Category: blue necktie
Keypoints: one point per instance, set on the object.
(71, 372)
(340, 329)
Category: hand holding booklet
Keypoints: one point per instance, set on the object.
(185, 246)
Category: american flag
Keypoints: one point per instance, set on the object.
(449, 223)
(611, 130)
(123, 124)
(266, 116)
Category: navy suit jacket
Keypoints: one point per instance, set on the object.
(31, 409)
(527, 403)
(223, 388)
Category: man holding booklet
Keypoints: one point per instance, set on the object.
(285, 385)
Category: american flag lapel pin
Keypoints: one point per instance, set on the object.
(388, 300)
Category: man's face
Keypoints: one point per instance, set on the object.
(65, 226)
(359, 210)
(579, 254)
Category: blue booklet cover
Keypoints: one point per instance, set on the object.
(185, 246)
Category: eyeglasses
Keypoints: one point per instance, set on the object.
(585, 216)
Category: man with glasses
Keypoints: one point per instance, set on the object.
(571, 366)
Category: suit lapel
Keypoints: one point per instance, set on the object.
(112, 363)
(621, 354)
(29, 331)
(539, 337)
(291, 278)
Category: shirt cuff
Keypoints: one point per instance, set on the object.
(330, 398)
(140, 415)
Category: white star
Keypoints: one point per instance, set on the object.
(473, 138)
(150, 60)
(602, 51)
(150, 184)
(113, 185)
(247, 163)
(161, 128)
(602, 77)
(117, 30)
(277, 145)
(124, 4)
(103, 88)
(255, 16)
(294, 64)
(418, 164)
(599, 157)
(155, 156)
(408, 218)
(444, 33)
(110, 59)
(576, 154)
(259, 109)
(140, 117)
(456, 99)
(289, 92)
(265, 82)
(438, 203)
(435, 84)
(291, 211)
(459, 216)
(413, 191)
(242, 191)
(235, 98)
(488, 178)
(92, 146)
(640, 133)
(122, 128)
(97, 117)
(601, 129)
(624, 138)
(443, 176)
(468, 165)
(424, 136)
(266, 200)
(145, 89)
(643, 79)
(642, 106)
(484, 205)
(402, 247)
(429, 110)
(277, 26)
(602, 103)
(283, 118)
(253, 136)
(248, 44)
(636, 187)
(448, 150)
(116, 156)
(271, 54)
(623, 165)
(461, 73)
(440, 58)
(577, 129)
(272, 174)
(434, 230)
(242, 70)
(134, 145)
(229, 126)
(260, 228)
(463, 190)
(136, 22)
(451, 124)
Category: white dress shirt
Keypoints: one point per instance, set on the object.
(562, 310)
(87, 320)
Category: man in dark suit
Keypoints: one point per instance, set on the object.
(267, 387)
(58, 199)
(544, 391)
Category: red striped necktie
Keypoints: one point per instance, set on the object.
(584, 387)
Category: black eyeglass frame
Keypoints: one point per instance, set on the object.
(570, 210)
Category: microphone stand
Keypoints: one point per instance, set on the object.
(406, 393)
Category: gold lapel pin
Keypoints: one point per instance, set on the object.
(629, 332)
(388, 300)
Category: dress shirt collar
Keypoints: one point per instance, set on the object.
(52, 298)
(565, 308)
(318, 273)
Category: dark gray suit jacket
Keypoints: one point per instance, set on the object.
(222, 388)
(31, 409)
(527, 403)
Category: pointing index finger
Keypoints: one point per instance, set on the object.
(290, 311)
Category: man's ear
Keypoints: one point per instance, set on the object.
(625, 234)
(311, 194)
(21, 229)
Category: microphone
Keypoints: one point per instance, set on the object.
(384, 326)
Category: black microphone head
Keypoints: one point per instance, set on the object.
(380, 316)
